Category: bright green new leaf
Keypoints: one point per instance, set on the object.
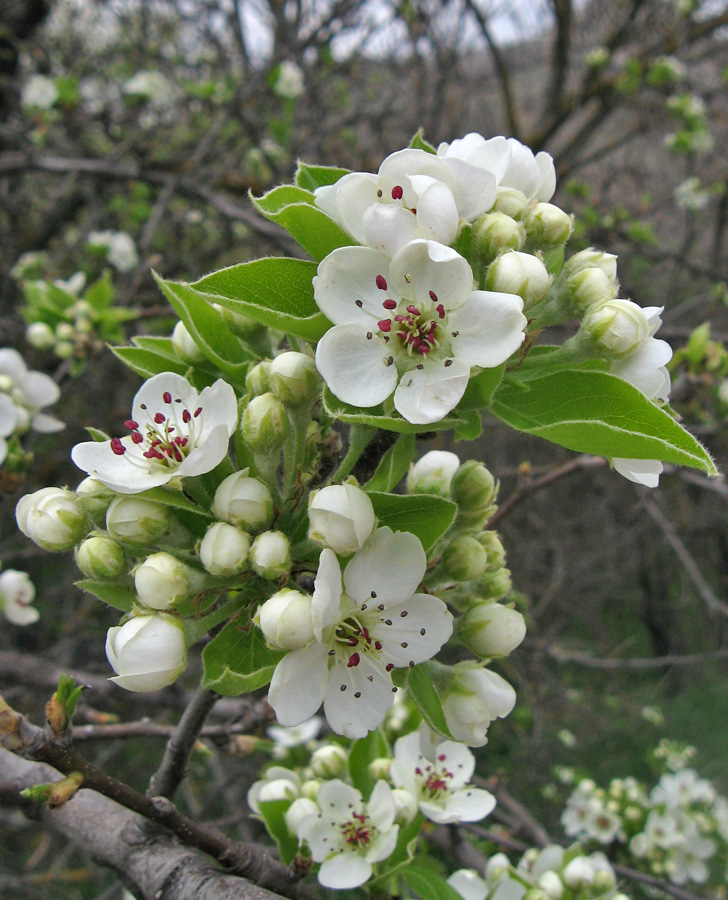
(283, 195)
(312, 177)
(425, 515)
(481, 388)
(273, 814)
(471, 428)
(97, 435)
(428, 885)
(418, 142)
(237, 660)
(100, 295)
(120, 596)
(316, 232)
(147, 363)
(364, 751)
(421, 690)
(162, 346)
(394, 465)
(376, 417)
(174, 499)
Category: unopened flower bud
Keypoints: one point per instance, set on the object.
(519, 273)
(604, 881)
(473, 487)
(65, 331)
(535, 894)
(95, 498)
(185, 345)
(379, 768)
(270, 555)
(224, 549)
(593, 259)
(547, 225)
(494, 550)
(40, 335)
(578, 873)
(464, 558)
(162, 580)
(64, 349)
(285, 620)
(471, 699)
(101, 557)
(52, 518)
(341, 516)
(329, 761)
(495, 585)
(300, 809)
(618, 327)
(433, 473)
(405, 806)
(495, 232)
(293, 378)
(147, 652)
(510, 201)
(256, 380)
(244, 501)
(589, 288)
(265, 425)
(238, 323)
(497, 866)
(552, 885)
(137, 520)
(310, 788)
(490, 629)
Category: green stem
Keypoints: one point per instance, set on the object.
(196, 629)
(359, 437)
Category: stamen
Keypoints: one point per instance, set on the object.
(440, 310)
(354, 660)
(131, 424)
(159, 418)
(397, 192)
(385, 325)
(186, 416)
(198, 411)
(167, 397)
(381, 282)
(413, 309)
(433, 296)
(389, 304)
(117, 447)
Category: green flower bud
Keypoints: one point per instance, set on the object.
(265, 425)
(101, 557)
(285, 620)
(244, 501)
(494, 550)
(161, 581)
(593, 259)
(224, 549)
(604, 881)
(473, 487)
(510, 201)
(495, 232)
(329, 761)
(293, 378)
(270, 555)
(519, 273)
(65, 331)
(310, 788)
(52, 518)
(137, 520)
(547, 225)
(40, 335)
(495, 585)
(95, 498)
(464, 559)
(64, 349)
(185, 345)
(256, 380)
(589, 288)
(490, 629)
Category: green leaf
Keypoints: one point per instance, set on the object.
(428, 885)
(595, 412)
(101, 293)
(421, 690)
(364, 751)
(101, 437)
(208, 328)
(554, 259)
(162, 346)
(237, 660)
(471, 429)
(425, 515)
(146, 363)
(311, 177)
(394, 465)
(175, 499)
(481, 388)
(120, 596)
(419, 143)
(273, 814)
(277, 199)
(547, 359)
(316, 232)
(376, 417)
(275, 292)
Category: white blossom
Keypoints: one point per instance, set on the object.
(23, 393)
(342, 517)
(289, 84)
(17, 593)
(39, 92)
(286, 738)
(147, 652)
(473, 699)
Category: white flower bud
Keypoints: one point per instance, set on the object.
(244, 501)
(52, 518)
(329, 761)
(101, 557)
(578, 873)
(270, 555)
(405, 806)
(464, 558)
(519, 273)
(65, 331)
(277, 789)
(551, 885)
(293, 378)
(147, 652)
(618, 327)
(40, 335)
(224, 549)
(185, 345)
(490, 629)
(510, 201)
(300, 809)
(589, 288)
(548, 225)
(495, 232)
(593, 259)
(137, 520)
(497, 866)
(285, 620)
(341, 516)
(433, 473)
(604, 881)
(162, 580)
(265, 425)
(310, 788)
(95, 498)
(379, 768)
(473, 697)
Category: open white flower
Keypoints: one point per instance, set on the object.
(173, 431)
(441, 787)
(348, 835)
(412, 326)
(27, 392)
(17, 592)
(415, 194)
(375, 624)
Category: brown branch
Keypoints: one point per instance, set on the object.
(655, 662)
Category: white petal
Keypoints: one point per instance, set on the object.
(465, 805)
(8, 416)
(327, 593)
(20, 613)
(381, 807)
(356, 192)
(473, 187)
(336, 798)
(118, 472)
(344, 871)
(348, 275)
(353, 366)
(382, 846)
(147, 681)
(46, 424)
(3, 450)
(388, 228)
(468, 884)
(12, 364)
(299, 684)
(644, 369)
(547, 173)
(325, 198)
(406, 759)
(427, 395)
(207, 455)
(149, 398)
(219, 407)
(490, 328)
(390, 564)
(437, 214)
(40, 390)
(640, 471)
(403, 641)
(354, 716)
(424, 266)
(458, 760)
(523, 172)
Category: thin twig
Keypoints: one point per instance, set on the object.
(655, 662)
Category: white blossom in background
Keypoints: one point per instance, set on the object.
(151, 85)
(277, 783)
(361, 632)
(441, 785)
(682, 788)
(121, 251)
(174, 430)
(17, 593)
(295, 736)
(411, 327)
(414, 195)
(39, 92)
(23, 393)
(290, 81)
(347, 835)
(690, 195)
(147, 652)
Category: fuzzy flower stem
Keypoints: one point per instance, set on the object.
(359, 437)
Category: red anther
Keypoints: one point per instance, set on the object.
(433, 296)
(167, 397)
(397, 192)
(153, 454)
(177, 454)
(413, 309)
(352, 641)
(440, 311)
(413, 211)
(117, 447)
(381, 282)
(365, 632)
(389, 304)
(418, 771)
(442, 757)
(131, 424)
(198, 411)
(186, 416)
(377, 645)
(399, 318)
(158, 418)
(385, 325)
(156, 443)
(136, 437)
(353, 661)
(184, 442)
(178, 441)
(389, 667)
(424, 348)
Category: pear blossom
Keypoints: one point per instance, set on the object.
(347, 835)
(342, 517)
(441, 787)
(173, 431)
(278, 783)
(147, 652)
(39, 92)
(23, 394)
(290, 81)
(472, 700)
(411, 326)
(433, 473)
(286, 738)
(415, 194)
(17, 593)
(376, 623)
(512, 163)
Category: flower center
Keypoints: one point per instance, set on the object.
(166, 439)
(352, 638)
(357, 831)
(417, 326)
(434, 780)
